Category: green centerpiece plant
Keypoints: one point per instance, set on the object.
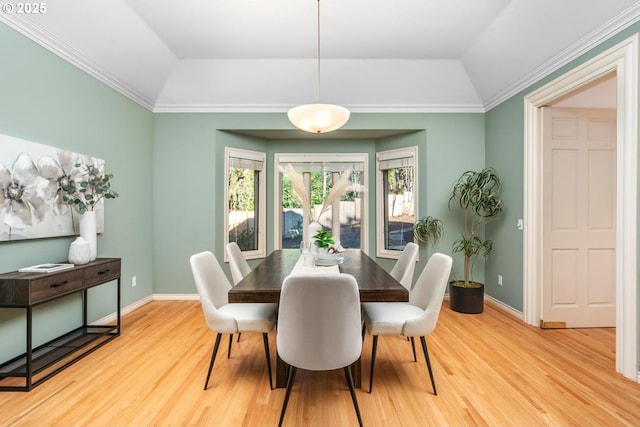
(323, 239)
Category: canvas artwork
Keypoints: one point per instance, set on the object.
(32, 178)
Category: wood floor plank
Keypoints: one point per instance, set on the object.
(490, 369)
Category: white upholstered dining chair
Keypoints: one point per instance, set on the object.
(416, 318)
(403, 270)
(319, 327)
(404, 267)
(225, 318)
(238, 265)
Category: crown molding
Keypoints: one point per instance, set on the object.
(45, 39)
(623, 20)
(391, 108)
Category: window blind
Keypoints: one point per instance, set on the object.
(237, 162)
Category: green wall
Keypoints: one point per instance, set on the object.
(189, 176)
(44, 99)
(506, 153)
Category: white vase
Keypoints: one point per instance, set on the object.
(88, 231)
(79, 251)
(312, 229)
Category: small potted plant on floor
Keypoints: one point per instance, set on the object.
(428, 230)
(477, 194)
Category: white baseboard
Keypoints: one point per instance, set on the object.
(176, 297)
(499, 304)
(504, 307)
(126, 310)
(136, 305)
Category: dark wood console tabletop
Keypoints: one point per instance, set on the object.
(24, 290)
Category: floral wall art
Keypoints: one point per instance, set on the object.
(33, 179)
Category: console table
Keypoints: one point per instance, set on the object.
(27, 290)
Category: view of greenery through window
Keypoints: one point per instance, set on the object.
(395, 186)
(399, 214)
(243, 212)
(348, 211)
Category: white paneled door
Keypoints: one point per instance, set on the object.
(579, 208)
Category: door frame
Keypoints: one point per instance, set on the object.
(622, 60)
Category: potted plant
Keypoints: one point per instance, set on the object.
(323, 240)
(477, 194)
(89, 185)
(428, 230)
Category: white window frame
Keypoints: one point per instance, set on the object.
(385, 156)
(258, 156)
(284, 158)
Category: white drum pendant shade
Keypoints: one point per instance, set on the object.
(318, 118)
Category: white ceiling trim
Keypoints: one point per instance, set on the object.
(217, 108)
(623, 20)
(67, 53)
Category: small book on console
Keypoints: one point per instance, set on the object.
(46, 268)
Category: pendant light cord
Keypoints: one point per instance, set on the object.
(318, 51)
(318, 118)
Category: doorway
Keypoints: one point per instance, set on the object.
(621, 60)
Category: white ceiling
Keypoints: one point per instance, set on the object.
(376, 55)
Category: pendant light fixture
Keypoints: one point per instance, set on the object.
(318, 118)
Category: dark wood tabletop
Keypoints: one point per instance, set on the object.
(264, 282)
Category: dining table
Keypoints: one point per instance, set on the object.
(264, 282)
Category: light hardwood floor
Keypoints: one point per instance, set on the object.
(490, 370)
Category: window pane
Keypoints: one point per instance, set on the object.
(343, 220)
(398, 211)
(291, 216)
(320, 187)
(243, 207)
(351, 216)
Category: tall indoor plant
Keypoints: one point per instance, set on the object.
(477, 194)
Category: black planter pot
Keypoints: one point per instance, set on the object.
(466, 300)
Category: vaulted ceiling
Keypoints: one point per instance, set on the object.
(376, 55)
